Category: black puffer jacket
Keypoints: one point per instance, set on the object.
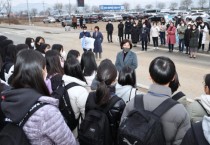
(114, 114)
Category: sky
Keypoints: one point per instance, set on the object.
(133, 3)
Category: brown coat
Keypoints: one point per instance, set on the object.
(74, 20)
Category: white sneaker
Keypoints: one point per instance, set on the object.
(157, 48)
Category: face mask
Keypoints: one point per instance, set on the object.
(193, 28)
(126, 49)
(182, 25)
(134, 25)
(62, 64)
(32, 44)
(189, 27)
(63, 54)
(202, 24)
(144, 26)
(110, 22)
(85, 30)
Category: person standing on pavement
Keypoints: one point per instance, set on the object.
(109, 29)
(135, 33)
(144, 37)
(81, 22)
(194, 37)
(148, 25)
(126, 57)
(163, 32)
(203, 29)
(98, 36)
(128, 27)
(120, 31)
(171, 37)
(84, 34)
(187, 38)
(155, 33)
(181, 31)
(74, 22)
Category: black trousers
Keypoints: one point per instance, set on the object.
(109, 37)
(200, 41)
(120, 39)
(144, 45)
(128, 36)
(155, 41)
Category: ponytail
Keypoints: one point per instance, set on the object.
(102, 94)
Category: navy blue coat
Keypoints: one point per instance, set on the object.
(98, 41)
(144, 34)
(86, 34)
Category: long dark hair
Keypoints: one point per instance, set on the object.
(3, 47)
(72, 68)
(57, 47)
(42, 48)
(106, 75)
(207, 80)
(37, 41)
(53, 62)
(73, 53)
(28, 72)
(175, 84)
(11, 53)
(88, 63)
(28, 42)
(127, 76)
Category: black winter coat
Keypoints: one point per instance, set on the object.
(187, 37)
(135, 32)
(109, 28)
(114, 114)
(128, 27)
(144, 32)
(120, 29)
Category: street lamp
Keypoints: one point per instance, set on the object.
(29, 18)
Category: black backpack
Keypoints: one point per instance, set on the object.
(5, 69)
(95, 128)
(198, 134)
(142, 127)
(13, 134)
(64, 104)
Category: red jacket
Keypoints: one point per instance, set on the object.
(171, 35)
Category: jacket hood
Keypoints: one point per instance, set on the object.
(17, 102)
(123, 90)
(206, 128)
(205, 100)
(69, 79)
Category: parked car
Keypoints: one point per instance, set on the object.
(195, 15)
(91, 18)
(113, 18)
(67, 21)
(127, 16)
(100, 16)
(49, 20)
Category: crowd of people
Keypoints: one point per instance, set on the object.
(67, 99)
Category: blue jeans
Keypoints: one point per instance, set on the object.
(163, 37)
(181, 45)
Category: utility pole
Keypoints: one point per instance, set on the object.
(44, 7)
(29, 18)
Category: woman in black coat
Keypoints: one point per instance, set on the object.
(120, 31)
(187, 38)
(128, 26)
(135, 32)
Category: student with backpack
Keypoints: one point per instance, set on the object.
(154, 118)
(29, 106)
(103, 110)
(75, 83)
(201, 106)
(198, 134)
(126, 86)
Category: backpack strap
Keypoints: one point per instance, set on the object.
(178, 96)
(36, 107)
(71, 85)
(139, 102)
(198, 134)
(203, 107)
(164, 107)
(112, 102)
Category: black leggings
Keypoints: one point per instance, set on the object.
(155, 41)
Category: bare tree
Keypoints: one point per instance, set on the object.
(126, 6)
(173, 5)
(138, 7)
(186, 3)
(2, 5)
(201, 3)
(149, 6)
(95, 9)
(161, 5)
(86, 8)
(48, 11)
(58, 7)
(68, 8)
(34, 12)
(8, 9)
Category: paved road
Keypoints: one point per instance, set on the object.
(191, 71)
